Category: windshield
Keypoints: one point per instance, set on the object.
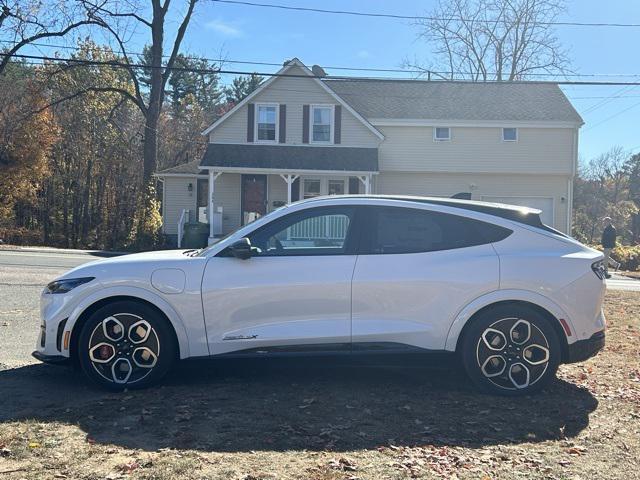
(204, 251)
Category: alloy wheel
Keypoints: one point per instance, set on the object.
(513, 353)
(124, 348)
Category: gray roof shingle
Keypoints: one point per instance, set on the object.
(190, 168)
(348, 159)
(437, 100)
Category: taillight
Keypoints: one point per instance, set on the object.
(598, 269)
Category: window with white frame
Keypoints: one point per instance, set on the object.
(509, 134)
(266, 123)
(321, 123)
(441, 134)
(311, 188)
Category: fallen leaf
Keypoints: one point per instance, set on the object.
(129, 466)
(576, 450)
(343, 464)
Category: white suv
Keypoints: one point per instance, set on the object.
(511, 297)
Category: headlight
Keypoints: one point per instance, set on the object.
(66, 285)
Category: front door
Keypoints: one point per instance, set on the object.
(295, 291)
(254, 197)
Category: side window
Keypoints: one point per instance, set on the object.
(317, 231)
(395, 230)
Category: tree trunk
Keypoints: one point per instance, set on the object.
(156, 94)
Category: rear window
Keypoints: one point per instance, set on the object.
(395, 230)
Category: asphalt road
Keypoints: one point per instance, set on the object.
(23, 274)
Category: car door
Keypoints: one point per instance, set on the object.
(294, 293)
(416, 269)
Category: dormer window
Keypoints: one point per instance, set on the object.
(321, 123)
(266, 122)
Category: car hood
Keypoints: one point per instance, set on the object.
(141, 261)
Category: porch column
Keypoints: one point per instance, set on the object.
(212, 179)
(289, 178)
(366, 181)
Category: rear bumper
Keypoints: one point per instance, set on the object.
(584, 349)
(53, 359)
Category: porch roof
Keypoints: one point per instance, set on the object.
(191, 168)
(290, 157)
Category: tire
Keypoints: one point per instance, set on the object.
(126, 344)
(510, 350)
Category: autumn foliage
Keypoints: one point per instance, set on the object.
(71, 150)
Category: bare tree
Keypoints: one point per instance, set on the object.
(23, 22)
(484, 40)
(120, 23)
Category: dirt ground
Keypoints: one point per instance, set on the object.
(326, 420)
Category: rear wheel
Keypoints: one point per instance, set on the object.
(511, 350)
(126, 344)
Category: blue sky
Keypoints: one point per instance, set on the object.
(269, 35)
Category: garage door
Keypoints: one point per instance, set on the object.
(541, 203)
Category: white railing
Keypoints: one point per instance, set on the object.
(329, 227)
(184, 218)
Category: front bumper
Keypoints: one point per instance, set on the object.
(584, 349)
(52, 359)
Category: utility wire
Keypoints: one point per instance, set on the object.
(119, 64)
(329, 67)
(412, 17)
(617, 114)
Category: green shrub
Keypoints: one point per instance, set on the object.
(628, 256)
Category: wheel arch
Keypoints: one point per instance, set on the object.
(90, 305)
(541, 305)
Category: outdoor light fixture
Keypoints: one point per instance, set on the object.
(190, 187)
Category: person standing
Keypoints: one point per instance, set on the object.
(608, 241)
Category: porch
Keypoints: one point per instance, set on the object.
(271, 176)
(236, 184)
(235, 198)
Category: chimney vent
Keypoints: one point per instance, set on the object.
(318, 71)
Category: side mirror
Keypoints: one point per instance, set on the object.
(241, 249)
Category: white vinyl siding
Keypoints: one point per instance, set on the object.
(176, 197)
(294, 93)
(518, 187)
(477, 149)
(227, 196)
(276, 191)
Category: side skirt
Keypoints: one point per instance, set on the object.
(370, 351)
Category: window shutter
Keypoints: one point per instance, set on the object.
(283, 124)
(251, 113)
(337, 124)
(305, 124)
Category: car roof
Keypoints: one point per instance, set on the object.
(515, 213)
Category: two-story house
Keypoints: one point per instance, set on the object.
(302, 134)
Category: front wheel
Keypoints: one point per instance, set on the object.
(126, 344)
(511, 350)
